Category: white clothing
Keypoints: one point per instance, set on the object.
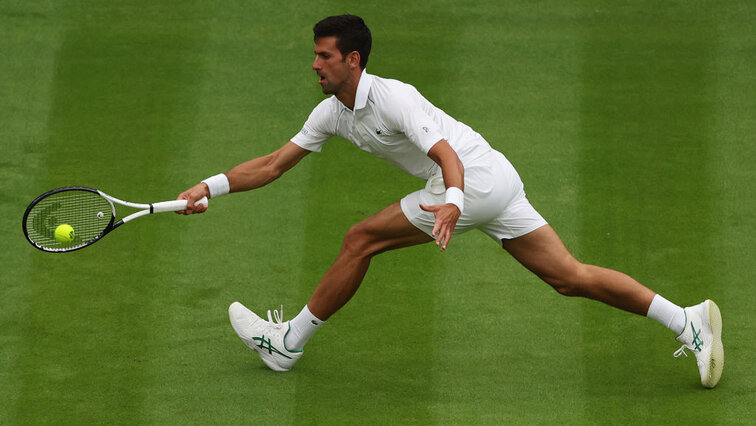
(393, 121)
(495, 201)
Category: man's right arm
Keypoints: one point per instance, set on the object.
(249, 175)
(264, 170)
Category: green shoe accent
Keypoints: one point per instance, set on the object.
(696, 339)
(266, 346)
(284, 341)
(686, 320)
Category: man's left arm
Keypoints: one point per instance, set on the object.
(454, 179)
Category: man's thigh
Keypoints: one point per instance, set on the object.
(542, 252)
(389, 229)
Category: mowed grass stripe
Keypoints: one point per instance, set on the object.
(118, 111)
(248, 246)
(733, 173)
(29, 40)
(507, 350)
(646, 199)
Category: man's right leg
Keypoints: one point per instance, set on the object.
(279, 343)
(387, 230)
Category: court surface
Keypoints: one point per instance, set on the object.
(632, 126)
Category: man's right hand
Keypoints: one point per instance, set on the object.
(192, 195)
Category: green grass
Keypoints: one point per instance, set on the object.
(632, 125)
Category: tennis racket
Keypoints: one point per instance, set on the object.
(74, 217)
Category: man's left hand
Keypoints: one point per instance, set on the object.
(446, 219)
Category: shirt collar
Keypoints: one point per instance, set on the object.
(363, 88)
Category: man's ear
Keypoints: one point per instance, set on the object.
(353, 59)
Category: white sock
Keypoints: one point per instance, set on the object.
(301, 328)
(667, 313)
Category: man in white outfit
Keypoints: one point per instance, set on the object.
(469, 186)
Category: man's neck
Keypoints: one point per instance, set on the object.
(349, 92)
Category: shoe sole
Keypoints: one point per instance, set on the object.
(716, 359)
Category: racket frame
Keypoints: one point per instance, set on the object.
(146, 209)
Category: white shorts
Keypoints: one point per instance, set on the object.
(495, 201)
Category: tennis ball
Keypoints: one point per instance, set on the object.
(64, 233)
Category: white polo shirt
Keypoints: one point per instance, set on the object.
(392, 121)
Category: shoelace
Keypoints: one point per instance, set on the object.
(681, 351)
(277, 316)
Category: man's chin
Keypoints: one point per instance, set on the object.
(327, 89)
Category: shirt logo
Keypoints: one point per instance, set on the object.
(378, 131)
(304, 131)
(426, 130)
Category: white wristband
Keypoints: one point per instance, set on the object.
(218, 185)
(455, 196)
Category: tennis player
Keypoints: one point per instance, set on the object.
(469, 186)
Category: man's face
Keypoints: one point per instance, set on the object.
(330, 65)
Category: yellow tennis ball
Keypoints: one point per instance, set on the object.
(64, 233)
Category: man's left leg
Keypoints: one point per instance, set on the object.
(698, 327)
(543, 253)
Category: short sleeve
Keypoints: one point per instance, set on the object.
(320, 126)
(406, 114)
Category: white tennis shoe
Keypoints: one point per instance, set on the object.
(702, 335)
(265, 337)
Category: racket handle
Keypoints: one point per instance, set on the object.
(173, 206)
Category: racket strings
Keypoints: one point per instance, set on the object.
(86, 212)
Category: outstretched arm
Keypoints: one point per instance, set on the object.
(248, 175)
(454, 176)
(264, 170)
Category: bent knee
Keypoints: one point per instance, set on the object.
(569, 282)
(358, 241)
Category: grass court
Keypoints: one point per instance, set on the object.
(631, 123)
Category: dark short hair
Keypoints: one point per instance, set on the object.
(352, 33)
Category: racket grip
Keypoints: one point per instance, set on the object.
(173, 206)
